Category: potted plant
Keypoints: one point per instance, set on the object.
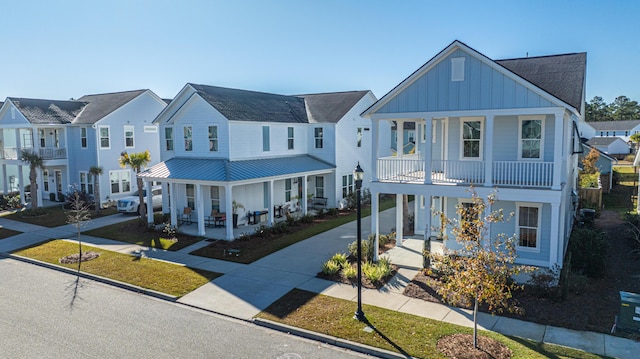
(235, 206)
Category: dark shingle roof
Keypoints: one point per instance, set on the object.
(222, 170)
(603, 141)
(100, 105)
(614, 125)
(331, 107)
(243, 105)
(52, 112)
(562, 75)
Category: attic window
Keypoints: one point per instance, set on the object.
(457, 69)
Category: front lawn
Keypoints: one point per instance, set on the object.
(6, 233)
(147, 273)
(395, 331)
(52, 216)
(135, 233)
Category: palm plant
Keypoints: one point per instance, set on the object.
(96, 171)
(35, 161)
(137, 161)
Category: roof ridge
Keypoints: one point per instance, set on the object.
(330, 93)
(542, 56)
(115, 92)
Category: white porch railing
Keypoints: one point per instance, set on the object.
(53, 153)
(504, 173)
(9, 153)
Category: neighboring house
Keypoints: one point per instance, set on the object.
(73, 136)
(622, 129)
(504, 125)
(604, 164)
(613, 146)
(264, 151)
(586, 130)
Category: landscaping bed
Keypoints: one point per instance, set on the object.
(52, 216)
(6, 233)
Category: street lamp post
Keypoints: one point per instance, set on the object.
(358, 175)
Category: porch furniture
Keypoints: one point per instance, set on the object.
(319, 203)
(185, 216)
(216, 219)
(277, 211)
(255, 217)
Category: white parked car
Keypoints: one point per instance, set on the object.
(131, 203)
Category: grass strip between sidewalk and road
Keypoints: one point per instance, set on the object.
(399, 332)
(172, 279)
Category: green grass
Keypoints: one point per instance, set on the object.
(252, 253)
(6, 233)
(134, 233)
(399, 332)
(51, 216)
(622, 198)
(147, 273)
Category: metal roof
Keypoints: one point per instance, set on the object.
(223, 170)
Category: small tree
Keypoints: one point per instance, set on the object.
(96, 171)
(137, 161)
(589, 162)
(78, 216)
(481, 270)
(35, 161)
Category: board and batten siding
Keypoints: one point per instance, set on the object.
(80, 159)
(246, 139)
(483, 88)
(506, 138)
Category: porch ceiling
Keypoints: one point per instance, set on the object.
(223, 170)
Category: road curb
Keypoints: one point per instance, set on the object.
(115, 283)
(338, 342)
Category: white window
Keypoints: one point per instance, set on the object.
(319, 186)
(359, 137)
(168, 138)
(83, 137)
(56, 138)
(191, 196)
(213, 138)
(468, 219)
(86, 182)
(120, 181)
(318, 136)
(287, 189)
(266, 144)
(188, 138)
(411, 134)
(457, 69)
(215, 198)
(128, 137)
(105, 143)
(42, 139)
(45, 179)
(347, 185)
(528, 226)
(530, 132)
(290, 138)
(471, 129)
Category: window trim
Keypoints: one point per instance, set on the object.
(166, 140)
(463, 120)
(266, 139)
(191, 205)
(359, 137)
(320, 186)
(213, 141)
(189, 139)
(348, 185)
(291, 137)
(287, 189)
(215, 199)
(108, 147)
(88, 182)
(520, 248)
(521, 119)
(318, 136)
(43, 141)
(84, 141)
(120, 182)
(133, 142)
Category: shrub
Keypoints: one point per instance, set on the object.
(158, 218)
(589, 180)
(350, 272)
(330, 267)
(589, 252)
(332, 211)
(367, 250)
(384, 265)
(307, 218)
(340, 258)
(372, 272)
(578, 283)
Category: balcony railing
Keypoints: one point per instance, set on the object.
(47, 153)
(504, 173)
(9, 153)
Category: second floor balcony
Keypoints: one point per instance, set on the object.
(47, 153)
(411, 169)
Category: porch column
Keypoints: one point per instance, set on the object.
(21, 184)
(399, 138)
(303, 200)
(428, 129)
(557, 150)
(427, 216)
(375, 147)
(399, 234)
(562, 233)
(375, 227)
(5, 179)
(270, 208)
(165, 198)
(555, 234)
(147, 185)
(39, 186)
(228, 204)
(200, 209)
(488, 152)
(172, 204)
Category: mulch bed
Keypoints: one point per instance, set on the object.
(460, 346)
(73, 258)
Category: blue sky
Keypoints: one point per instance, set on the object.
(63, 49)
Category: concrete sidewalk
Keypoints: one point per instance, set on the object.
(245, 290)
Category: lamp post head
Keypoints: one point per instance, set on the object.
(358, 176)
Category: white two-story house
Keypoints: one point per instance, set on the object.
(504, 125)
(72, 136)
(262, 150)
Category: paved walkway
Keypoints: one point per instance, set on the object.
(245, 290)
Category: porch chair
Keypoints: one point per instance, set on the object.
(185, 216)
(216, 218)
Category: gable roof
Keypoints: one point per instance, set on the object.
(560, 75)
(614, 125)
(48, 112)
(604, 141)
(100, 105)
(243, 105)
(331, 107)
(602, 154)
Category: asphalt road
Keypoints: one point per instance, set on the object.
(44, 314)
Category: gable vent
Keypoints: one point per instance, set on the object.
(457, 69)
